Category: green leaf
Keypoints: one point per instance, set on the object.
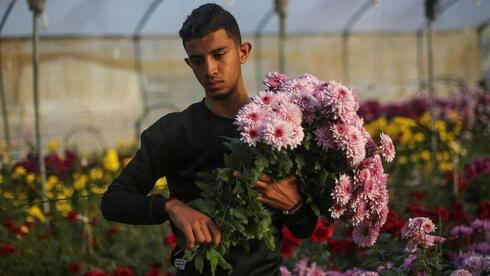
(199, 263)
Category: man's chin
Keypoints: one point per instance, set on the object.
(219, 95)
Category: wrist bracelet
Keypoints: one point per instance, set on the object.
(294, 209)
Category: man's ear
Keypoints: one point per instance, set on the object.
(187, 61)
(245, 49)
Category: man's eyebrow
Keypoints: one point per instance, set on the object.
(212, 52)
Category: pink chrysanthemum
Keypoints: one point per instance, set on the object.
(324, 138)
(416, 231)
(387, 147)
(336, 211)
(365, 234)
(342, 191)
(251, 134)
(282, 134)
(274, 80)
(460, 272)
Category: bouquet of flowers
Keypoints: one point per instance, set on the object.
(307, 128)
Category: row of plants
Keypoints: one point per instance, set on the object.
(438, 223)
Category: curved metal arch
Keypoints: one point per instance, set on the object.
(6, 127)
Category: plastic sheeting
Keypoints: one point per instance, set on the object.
(120, 17)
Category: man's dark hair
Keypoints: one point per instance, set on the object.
(209, 18)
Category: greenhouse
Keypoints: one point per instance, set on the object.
(327, 137)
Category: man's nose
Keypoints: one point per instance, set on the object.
(211, 67)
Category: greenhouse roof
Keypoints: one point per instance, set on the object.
(121, 17)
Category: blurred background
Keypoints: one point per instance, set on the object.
(106, 64)
(81, 79)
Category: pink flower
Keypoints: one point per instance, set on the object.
(387, 147)
(279, 134)
(342, 191)
(336, 211)
(365, 234)
(274, 80)
(461, 230)
(301, 267)
(324, 138)
(314, 270)
(460, 272)
(416, 232)
(284, 271)
(251, 134)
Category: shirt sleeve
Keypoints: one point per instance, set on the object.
(302, 223)
(126, 199)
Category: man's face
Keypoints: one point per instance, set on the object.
(215, 60)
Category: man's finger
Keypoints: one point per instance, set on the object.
(216, 233)
(198, 235)
(207, 235)
(261, 185)
(268, 202)
(189, 237)
(265, 178)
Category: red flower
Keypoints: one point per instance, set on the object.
(113, 231)
(289, 242)
(458, 213)
(123, 271)
(95, 273)
(170, 240)
(441, 213)
(7, 248)
(75, 268)
(154, 272)
(393, 224)
(44, 235)
(323, 231)
(30, 223)
(483, 211)
(72, 216)
(342, 247)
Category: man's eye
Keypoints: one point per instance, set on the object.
(218, 55)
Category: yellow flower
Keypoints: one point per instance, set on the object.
(79, 181)
(36, 212)
(425, 154)
(8, 195)
(24, 229)
(66, 192)
(52, 182)
(98, 190)
(19, 171)
(403, 159)
(419, 137)
(1, 179)
(30, 179)
(53, 146)
(445, 166)
(111, 160)
(161, 183)
(96, 174)
(63, 206)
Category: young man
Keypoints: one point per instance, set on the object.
(182, 144)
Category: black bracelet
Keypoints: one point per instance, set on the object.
(294, 209)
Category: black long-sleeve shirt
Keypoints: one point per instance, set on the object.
(179, 146)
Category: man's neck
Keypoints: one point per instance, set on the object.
(229, 106)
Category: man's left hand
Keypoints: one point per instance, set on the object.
(280, 194)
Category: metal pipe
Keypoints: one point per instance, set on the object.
(281, 9)
(137, 55)
(37, 7)
(420, 60)
(345, 38)
(6, 127)
(258, 45)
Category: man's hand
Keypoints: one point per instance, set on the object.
(196, 226)
(281, 194)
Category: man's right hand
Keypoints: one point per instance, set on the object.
(196, 226)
